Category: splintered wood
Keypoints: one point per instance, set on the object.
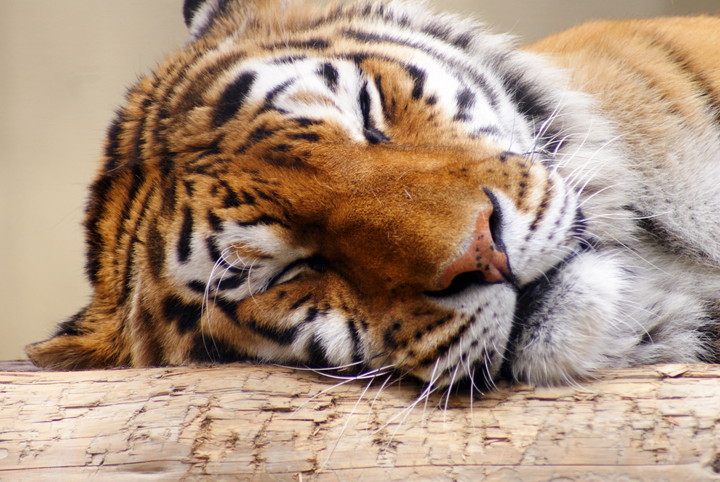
(269, 423)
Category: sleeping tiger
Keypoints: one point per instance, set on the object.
(374, 187)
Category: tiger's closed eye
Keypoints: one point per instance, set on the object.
(289, 272)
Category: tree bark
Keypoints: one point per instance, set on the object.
(264, 422)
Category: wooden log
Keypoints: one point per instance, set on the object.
(264, 422)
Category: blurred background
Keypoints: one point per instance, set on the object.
(65, 66)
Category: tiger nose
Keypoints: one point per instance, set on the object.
(484, 255)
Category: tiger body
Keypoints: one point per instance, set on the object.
(375, 186)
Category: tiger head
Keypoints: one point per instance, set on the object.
(368, 186)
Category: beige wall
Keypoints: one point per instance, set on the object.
(65, 65)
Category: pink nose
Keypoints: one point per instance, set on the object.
(481, 256)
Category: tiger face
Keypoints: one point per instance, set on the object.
(367, 187)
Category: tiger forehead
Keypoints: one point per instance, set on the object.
(324, 67)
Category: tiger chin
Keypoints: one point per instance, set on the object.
(375, 187)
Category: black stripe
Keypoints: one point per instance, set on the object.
(297, 304)
(311, 314)
(214, 221)
(375, 135)
(216, 256)
(137, 176)
(138, 142)
(189, 187)
(167, 166)
(418, 76)
(367, 10)
(381, 93)
(528, 98)
(112, 143)
(71, 326)
(187, 316)
(487, 131)
(364, 101)
(330, 75)
(463, 40)
(208, 349)
(357, 343)
(371, 37)
(389, 336)
(298, 262)
(438, 30)
(263, 195)
(197, 286)
(155, 250)
(248, 198)
(231, 199)
(261, 133)
(465, 100)
(531, 102)
(231, 282)
(184, 244)
(305, 136)
(442, 350)
(213, 250)
(257, 135)
(305, 122)
(193, 88)
(289, 59)
(281, 336)
(127, 271)
(167, 172)
(100, 191)
(372, 133)
(316, 353)
(229, 308)
(233, 98)
(264, 219)
(286, 161)
(268, 104)
(213, 168)
(311, 44)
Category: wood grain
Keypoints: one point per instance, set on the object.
(270, 423)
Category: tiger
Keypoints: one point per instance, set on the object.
(373, 187)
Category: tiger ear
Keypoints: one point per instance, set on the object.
(200, 14)
(220, 18)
